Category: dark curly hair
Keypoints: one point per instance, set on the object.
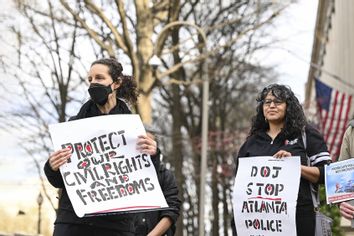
(295, 119)
(128, 89)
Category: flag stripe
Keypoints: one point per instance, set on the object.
(334, 110)
(349, 103)
(324, 121)
(338, 121)
(328, 130)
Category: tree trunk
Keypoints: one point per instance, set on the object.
(178, 155)
(144, 108)
(145, 49)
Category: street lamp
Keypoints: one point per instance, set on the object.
(39, 202)
(155, 61)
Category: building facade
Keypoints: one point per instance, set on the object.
(330, 85)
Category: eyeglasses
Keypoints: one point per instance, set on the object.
(276, 102)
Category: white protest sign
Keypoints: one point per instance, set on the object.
(105, 172)
(265, 195)
(339, 179)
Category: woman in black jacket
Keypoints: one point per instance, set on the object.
(107, 86)
(277, 131)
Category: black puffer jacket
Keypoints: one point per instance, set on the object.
(146, 221)
(65, 213)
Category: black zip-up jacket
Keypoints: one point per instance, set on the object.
(65, 213)
(261, 144)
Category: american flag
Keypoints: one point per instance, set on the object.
(334, 110)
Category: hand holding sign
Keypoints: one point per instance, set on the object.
(347, 210)
(59, 158)
(281, 154)
(146, 144)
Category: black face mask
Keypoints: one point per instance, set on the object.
(99, 93)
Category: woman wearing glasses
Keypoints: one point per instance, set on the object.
(277, 131)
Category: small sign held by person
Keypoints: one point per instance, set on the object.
(339, 180)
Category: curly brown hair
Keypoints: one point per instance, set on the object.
(128, 89)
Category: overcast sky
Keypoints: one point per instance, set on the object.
(296, 26)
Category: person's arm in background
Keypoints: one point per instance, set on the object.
(347, 145)
(168, 218)
(164, 224)
(347, 151)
